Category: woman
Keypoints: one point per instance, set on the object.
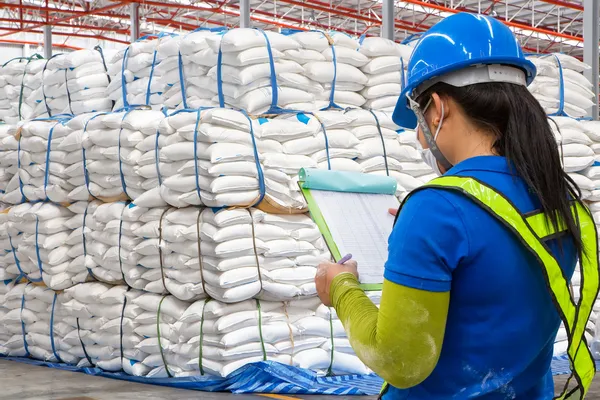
(476, 281)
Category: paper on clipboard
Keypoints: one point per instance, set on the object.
(351, 211)
(360, 224)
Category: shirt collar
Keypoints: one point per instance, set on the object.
(482, 163)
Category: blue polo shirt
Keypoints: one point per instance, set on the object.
(501, 321)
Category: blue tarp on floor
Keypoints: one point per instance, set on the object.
(265, 377)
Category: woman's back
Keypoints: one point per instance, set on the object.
(501, 320)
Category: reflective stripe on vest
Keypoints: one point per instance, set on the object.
(532, 230)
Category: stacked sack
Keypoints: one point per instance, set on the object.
(102, 324)
(7, 255)
(39, 235)
(9, 165)
(231, 255)
(193, 88)
(384, 151)
(332, 62)
(210, 158)
(20, 89)
(217, 338)
(336, 354)
(41, 165)
(14, 319)
(111, 157)
(385, 72)
(560, 86)
(250, 65)
(575, 147)
(136, 76)
(166, 74)
(6, 329)
(75, 83)
(97, 239)
(579, 141)
(317, 140)
(155, 324)
(43, 329)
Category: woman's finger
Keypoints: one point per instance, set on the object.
(393, 211)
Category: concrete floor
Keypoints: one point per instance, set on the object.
(25, 382)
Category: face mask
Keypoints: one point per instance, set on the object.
(426, 154)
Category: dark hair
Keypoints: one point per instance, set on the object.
(522, 135)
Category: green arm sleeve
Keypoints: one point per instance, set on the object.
(402, 340)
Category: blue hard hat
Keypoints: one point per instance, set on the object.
(457, 42)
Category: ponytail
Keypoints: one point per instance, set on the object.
(522, 135)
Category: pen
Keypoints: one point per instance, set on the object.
(345, 259)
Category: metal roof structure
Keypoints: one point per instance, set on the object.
(542, 26)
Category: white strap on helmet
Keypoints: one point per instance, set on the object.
(482, 73)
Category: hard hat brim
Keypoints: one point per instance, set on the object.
(403, 116)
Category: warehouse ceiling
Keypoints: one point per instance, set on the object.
(541, 26)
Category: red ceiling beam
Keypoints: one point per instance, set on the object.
(64, 19)
(77, 13)
(509, 23)
(11, 31)
(76, 26)
(566, 4)
(62, 46)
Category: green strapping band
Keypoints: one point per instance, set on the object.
(35, 56)
(262, 341)
(200, 365)
(162, 354)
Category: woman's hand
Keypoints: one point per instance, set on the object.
(326, 272)
(393, 211)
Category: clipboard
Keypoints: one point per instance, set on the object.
(351, 211)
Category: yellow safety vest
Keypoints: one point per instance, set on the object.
(532, 231)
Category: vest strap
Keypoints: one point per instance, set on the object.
(531, 231)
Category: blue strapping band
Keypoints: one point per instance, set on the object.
(119, 242)
(156, 158)
(27, 354)
(47, 172)
(123, 184)
(411, 38)
(332, 93)
(326, 138)
(85, 353)
(198, 116)
(52, 330)
(84, 241)
(23, 198)
(67, 89)
(219, 74)
(387, 170)
(561, 89)
(37, 250)
(148, 93)
(274, 88)
(86, 174)
(261, 176)
(332, 103)
(402, 75)
(157, 150)
(182, 79)
(43, 90)
(98, 48)
(123, 80)
(17, 262)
